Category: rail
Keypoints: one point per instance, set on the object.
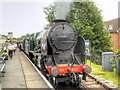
(106, 84)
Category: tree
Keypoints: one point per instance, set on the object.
(20, 39)
(49, 11)
(86, 18)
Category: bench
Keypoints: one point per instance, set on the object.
(2, 66)
(2, 70)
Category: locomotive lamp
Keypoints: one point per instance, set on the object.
(87, 69)
(54, 71)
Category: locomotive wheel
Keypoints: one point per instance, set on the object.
(35, 61)
(42, 66)
(76, 80)
(30, 57)
(50, 79)
(43, 69)
(73, 79)
(39, 65)
(55, 83)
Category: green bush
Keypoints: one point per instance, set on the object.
(117, 52)
(5, 55)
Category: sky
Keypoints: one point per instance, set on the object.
(109, 8)
(27, 16)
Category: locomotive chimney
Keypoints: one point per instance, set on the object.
(59, 20)
(61, 10)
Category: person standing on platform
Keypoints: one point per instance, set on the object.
(19, 45)
(15, 47)
(10, 49)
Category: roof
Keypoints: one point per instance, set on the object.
(10, 32)
(3, 36)
(113, 25)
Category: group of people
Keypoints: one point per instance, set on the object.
(10, 48)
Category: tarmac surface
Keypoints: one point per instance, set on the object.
(21, 74)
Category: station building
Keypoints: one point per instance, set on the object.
(113, 26)
(2, 38)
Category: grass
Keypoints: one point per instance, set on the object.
(97, 71)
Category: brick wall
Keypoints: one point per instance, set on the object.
(115, 36)
(119, 39)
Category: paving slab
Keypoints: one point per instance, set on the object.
(14, 76)
(33, 79)
(21, 74)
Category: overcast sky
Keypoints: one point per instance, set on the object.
(26, 16)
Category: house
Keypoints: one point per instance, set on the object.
(113, 26)
(2, 38)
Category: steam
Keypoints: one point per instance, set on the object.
(61, 9)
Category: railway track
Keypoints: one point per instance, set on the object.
(94, 82)
(104, 83)
(63, 86)
(91, 83)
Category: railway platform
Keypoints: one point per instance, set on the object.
(20, 73)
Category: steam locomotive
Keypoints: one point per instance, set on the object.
(59, 53)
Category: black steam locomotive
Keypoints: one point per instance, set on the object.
(58, 52)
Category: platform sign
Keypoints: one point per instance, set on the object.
(0, 47)
(87, 46)
(10, 35)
